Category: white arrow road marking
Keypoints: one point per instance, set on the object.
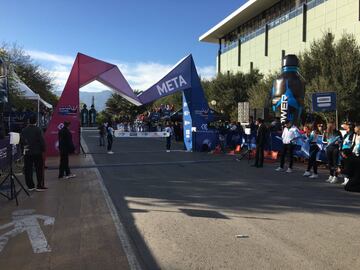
(26, 221)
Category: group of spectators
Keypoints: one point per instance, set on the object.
(230, 134)
(342, 150)
(106, 130)
(154, 119)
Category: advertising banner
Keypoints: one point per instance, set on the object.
(187, 125)
(178, 79)
(121, 134)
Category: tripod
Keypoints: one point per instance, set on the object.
(12, 179)
(11, 176)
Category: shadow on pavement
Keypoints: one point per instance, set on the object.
(233, 188)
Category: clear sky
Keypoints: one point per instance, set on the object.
(144, 37)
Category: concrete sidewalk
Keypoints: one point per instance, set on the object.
(82, 235)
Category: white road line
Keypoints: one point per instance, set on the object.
(120, 229)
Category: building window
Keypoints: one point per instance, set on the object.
(239, 53)
(266, 39)
(279, 13)
(304, 22)
(282, 57)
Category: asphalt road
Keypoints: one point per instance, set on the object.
(184, 211)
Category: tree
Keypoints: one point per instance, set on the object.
(119, 107)
(174, 99)
(30, 73)
(230, 89)
(330, 66)
(260, 93)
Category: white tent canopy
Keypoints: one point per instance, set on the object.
(29, 94)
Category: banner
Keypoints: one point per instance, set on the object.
(121, 134)
(187, 125)
(178, 79)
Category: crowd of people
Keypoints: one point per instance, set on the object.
(342, 150)
(155, 120)
(106, 130)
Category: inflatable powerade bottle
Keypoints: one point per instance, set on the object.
(288, 91)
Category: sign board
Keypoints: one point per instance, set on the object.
(122, 134)
(324, 102)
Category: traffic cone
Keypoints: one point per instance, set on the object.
(238, 149)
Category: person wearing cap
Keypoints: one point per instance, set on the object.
(289, 135)
(347, 142)
(66, 147)
(351, 169)
(33, 144)
(333, 138)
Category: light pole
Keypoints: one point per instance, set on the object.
(3, 94)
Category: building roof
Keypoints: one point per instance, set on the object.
(247, 11)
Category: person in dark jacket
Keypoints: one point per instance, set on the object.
(102, 132)
(66, 147)
(260, 143)
(33, 145)
(177, 131)
(351, 170)
(333, 139)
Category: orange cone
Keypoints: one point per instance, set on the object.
(238, 149)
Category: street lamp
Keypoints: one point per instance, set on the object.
(213, 102)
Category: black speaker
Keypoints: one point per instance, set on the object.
(263, 113)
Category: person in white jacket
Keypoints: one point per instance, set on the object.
(168, 129)
(289, 135)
